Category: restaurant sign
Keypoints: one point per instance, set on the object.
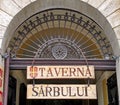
(60, 91)
(60, 72)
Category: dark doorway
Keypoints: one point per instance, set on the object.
(22, 96)
(12, 91)
(63, 102)
(56, 102)
(112, 90)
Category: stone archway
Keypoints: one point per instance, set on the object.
(78, 6)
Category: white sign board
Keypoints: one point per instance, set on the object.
(62, 72)
(60, 91)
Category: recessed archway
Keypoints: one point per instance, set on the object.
(18, 49)
(73, 32)
(80, 6)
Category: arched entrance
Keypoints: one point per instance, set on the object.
(61, 34)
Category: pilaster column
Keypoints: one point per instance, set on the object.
(6, 76)
(118, 76)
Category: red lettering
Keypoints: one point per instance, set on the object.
(64, 71)
(88, 72)
(41, 70)
(57, 72)
(72, 71)
(80, 71)
(50, 73)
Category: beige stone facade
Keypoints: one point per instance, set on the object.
(106, 13)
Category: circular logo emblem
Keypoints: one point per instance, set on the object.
(59, 51)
